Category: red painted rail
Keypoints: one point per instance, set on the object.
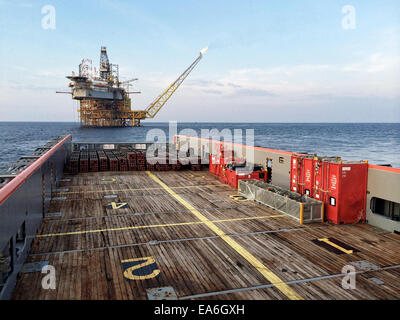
(233, 144)
(21, 177)
(371, 166)
(383, 168)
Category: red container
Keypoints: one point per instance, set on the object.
(217, 162)
(342, 186)
(233, 176)
(302, 175)
(225, 157)
(214, 165)
(223, 174)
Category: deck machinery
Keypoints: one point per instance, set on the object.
(105, 101)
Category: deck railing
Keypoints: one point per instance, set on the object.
(24, 200)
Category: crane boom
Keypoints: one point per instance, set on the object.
(160, 101)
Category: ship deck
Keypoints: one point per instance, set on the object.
(119, 235)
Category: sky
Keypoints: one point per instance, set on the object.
(268, 61)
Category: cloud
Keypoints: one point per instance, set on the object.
(212, 91)
(374, 75)
(377, 74)
(365, 80)
(253, 93)
(233, 85)
(203, 83)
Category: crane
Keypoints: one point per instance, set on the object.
(154, 107)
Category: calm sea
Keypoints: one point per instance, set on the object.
(379, 143)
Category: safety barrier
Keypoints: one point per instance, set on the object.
(300, 207)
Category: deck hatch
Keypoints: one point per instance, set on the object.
(54, 214)
(376, 281)
(110, 196)
(364, 265)
(58, 199)
(163, 293)
(34, 266)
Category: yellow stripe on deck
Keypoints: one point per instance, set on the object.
(268, 274)
(154, 226)
(335, 245)
(138, 189)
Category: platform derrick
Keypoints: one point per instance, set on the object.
(105, 101)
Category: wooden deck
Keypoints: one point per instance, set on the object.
(205, 244)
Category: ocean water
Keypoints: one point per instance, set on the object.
(379, 143)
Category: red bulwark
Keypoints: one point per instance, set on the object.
(342, 186)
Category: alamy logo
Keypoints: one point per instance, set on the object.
(349, 280)
(49, 20)
(49, 280)
(349, 20)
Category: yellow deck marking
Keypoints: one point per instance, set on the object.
(141, 189)
(155, 226)
(128, 273)
(116, 206)
(335, 245)
(268, 274)
(238, 197)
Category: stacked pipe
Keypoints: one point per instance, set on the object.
(161, 162)
(103, 160)
(132, 164)
(141, 160)
(113, 161)
(129, 159)
(195, 163)
(122, 160)
(84, 162)
(74, 163)
(93, 161)
(150, 165)
(175, 166)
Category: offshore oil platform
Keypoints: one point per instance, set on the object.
(105, 101)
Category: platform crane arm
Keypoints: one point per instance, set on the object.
(161, 100)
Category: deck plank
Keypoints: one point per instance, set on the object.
(191, 257)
